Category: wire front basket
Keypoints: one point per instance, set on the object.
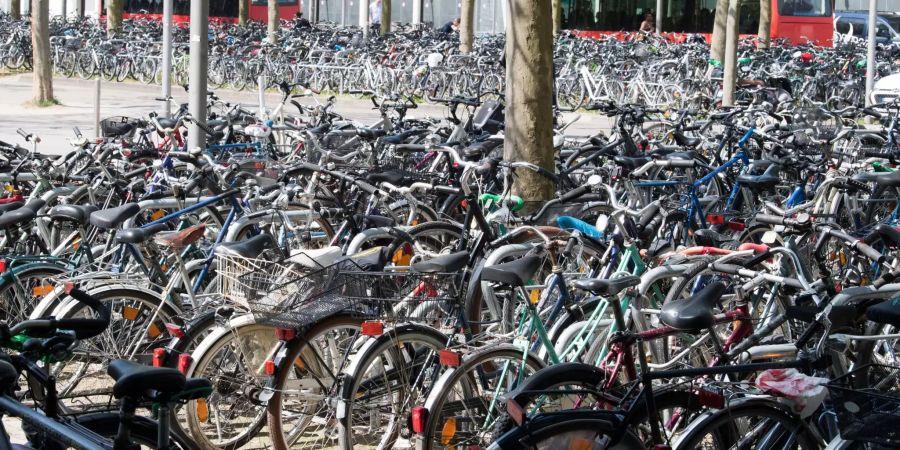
(245, 280)
(404, 296)
(872, 413)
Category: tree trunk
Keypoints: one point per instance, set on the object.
(466, 26)
(114, 9)
(717, 46)
(273, 22)
(243, 11)
(557, 16)
(385, 17)
(15, 9)
(42, 86)
(529, 81)
(731, 41)
(765, 23)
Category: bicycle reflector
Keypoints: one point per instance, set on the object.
(449, 358)
(372, 328)
(285, 334)
(174, 330)
(2, 265)
(67, 287)
(159, 356)
(736, 226)
(184, 362)
(715, 219)
(515, 411)
(418, 418)
(270, 367)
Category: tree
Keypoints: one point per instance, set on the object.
(42, 85)
(557, 16)
(243, 11)
(15, 9)
(385, 17)
(529, 81)
(717, 46)
(466, 26)
(114, 10)
(730, 64)
(273, 21)
(765, 23)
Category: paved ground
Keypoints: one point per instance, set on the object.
(54, 124)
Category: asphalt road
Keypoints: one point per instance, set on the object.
(54, 124)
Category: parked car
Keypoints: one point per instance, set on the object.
(855, 23)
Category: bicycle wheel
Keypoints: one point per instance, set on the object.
(466, 401)
(301, 415)
(20, 293)
(392, 374)
(589, 430)
(234, 360)
(144, 431)
(752, 423)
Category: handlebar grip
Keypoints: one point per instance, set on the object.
(22, 133)
(770, 219)
(411, 148)
(871, 112)
(574, 193)
(366, 187)
(269, 188)
(869, 252)
(682, 163)
(135, 172)
(449, 190)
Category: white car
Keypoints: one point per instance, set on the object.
(886, 89)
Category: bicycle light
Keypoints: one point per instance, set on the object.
(419, 417)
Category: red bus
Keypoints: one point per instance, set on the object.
(219, 10)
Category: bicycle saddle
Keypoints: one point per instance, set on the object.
(137, 380)
(886, 312)
(695, 313)
(454, 262)
(248, 248)
(882, 178)
(119, 129)
(370, 133)
(111, 218)
(631, 162)
(685, 141)
(399, 138)
(395, 177)
(479, 149)
(607, 288)
(709, 238)
(6, 207)
(513, 273)
(319, 130)
(139, 235)
(166, 123)
(181, 238)
(317, 258)
(766, 181)
(79, 214)
(16, 217)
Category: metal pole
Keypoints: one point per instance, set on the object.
(199, 62)
(261, 81)
(659, 15)
(417, 11)
(97, 131)
(870, 58)
(167, 56)
(343, 13)
(364, 17)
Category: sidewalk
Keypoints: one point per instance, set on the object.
(54, 124)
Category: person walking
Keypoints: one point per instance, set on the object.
(375, 15)
(647, 26)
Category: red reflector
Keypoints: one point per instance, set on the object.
(67, 287)
(260, 165)
(2, 265)
(372, 328)
(515, 411)
(711, 399)
(159, 357)
(449, 358)
(285, 334)
(736, 226)
(184, 363)
(270, 367)
(715, 219)
(464, 203)
(126, 152)
(419, 416)
(174, 330)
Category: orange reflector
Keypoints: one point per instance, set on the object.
(448, 431)
(403, 256)
(449, 358)
(299, 364)
(159, 356)
(535, 296)
(581, 444)
(158, 214)
(372, 328)
(42, 290)
(153, 331)
(129, 313)
(202, 410)
(419, 416)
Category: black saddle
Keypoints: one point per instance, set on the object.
(695, 313)
(889, 179)
(480, 149)
(139, 235)
(7, 207)
(370, 133)
(685, 141)
(709, 238)
(249, 248)
(16, 217)
(79, 214)
(631, 162)
(395, 177)
(108, 219)
(886, 312)
(118, 129)
(319, 130)
(139, 381)
(514, 273)
(765, 182)
(451, 263)
(400, 138)
(607, 288)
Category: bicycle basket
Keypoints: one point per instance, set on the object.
(403, 296)
(120, 127)
(243, 280)
(314, 296)
(871, 414)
